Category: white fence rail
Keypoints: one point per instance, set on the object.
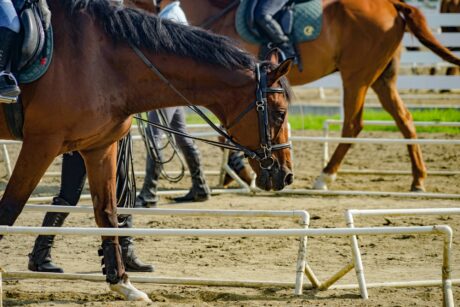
(301, 233)
(329, 122)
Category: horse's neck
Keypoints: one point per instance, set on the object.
(218, 89)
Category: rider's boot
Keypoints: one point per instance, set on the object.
(200, 190)
(148, 198)
(40, 257)
(130, 260)
(9, 89)
(274, 31)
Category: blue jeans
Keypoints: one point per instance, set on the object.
(8, 16)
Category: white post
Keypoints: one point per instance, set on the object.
(359, 269)
(224, 163)
(301, 257)
(6, 156)
(322, 94)
(448, 296)
(1, 289)
(325, 144)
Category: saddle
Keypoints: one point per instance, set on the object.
(35, 51)
(32, 57)
(301, 20)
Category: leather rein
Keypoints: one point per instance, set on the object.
(263, 154)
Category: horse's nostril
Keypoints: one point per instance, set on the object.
(289, 179)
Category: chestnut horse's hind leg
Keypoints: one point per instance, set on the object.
(385, 87)
(34, 158)
(101, 170)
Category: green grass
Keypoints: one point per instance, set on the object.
(315, 122)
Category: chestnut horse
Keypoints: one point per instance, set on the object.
(362, 40)
(451, 6)
(97, 81)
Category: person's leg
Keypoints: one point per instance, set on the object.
(264, 12)
(72, 182)
(148, 195)
(9, 35)
(131, 262)
(200, 190)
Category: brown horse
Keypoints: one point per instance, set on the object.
(451, 6)
(362, 40)
(96, 82)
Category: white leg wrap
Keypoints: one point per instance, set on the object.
(322, 180)
(129, 292)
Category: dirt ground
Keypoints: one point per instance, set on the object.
(389, 258)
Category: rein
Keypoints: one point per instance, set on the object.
(263, 154)
(211, 20)
(154, 149)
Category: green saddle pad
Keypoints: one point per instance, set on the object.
(308, 18)
(37, 69)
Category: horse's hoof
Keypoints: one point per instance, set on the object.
(128, 291)
(319, 185)
(418, 189)
(322, 180)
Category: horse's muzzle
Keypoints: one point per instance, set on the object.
(274, 179)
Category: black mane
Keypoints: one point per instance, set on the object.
(145, 30)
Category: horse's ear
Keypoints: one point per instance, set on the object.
(273, 56)
(280, 71)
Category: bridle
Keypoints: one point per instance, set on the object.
(264, 153)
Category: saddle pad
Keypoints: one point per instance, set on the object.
(308, 17)
(37, 69)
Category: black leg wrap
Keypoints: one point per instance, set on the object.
(235, 161)
(111, 261)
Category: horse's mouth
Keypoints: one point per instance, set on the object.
(276, 181)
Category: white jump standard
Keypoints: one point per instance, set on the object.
(444, 230)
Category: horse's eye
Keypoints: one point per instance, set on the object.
(278, 117)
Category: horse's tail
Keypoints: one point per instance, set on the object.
(418, 26)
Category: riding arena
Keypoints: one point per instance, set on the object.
(336, 207)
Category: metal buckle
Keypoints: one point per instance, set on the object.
(260, 105)
(267, 163)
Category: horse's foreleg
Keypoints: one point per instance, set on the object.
(34, 158)
(101, 170)
(352, 125)
(385, 88)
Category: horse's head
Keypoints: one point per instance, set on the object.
(263, 127)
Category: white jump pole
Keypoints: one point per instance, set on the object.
(438, 229)
(215, 282)
(41, 199)
(446, 270)
(303, 215)
(369, 193)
